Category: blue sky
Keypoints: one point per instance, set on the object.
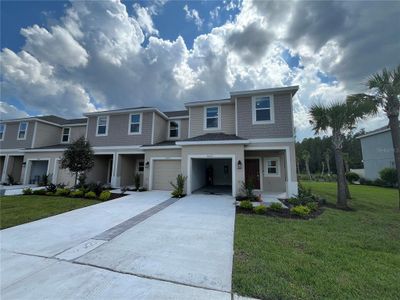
(67, 58)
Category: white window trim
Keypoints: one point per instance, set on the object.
(278, 166)
(130, 123)
(19, 129)
(97, 126)
(253, 110)
(205, 118)
(62, 135)
(179, 130)
(4, 132)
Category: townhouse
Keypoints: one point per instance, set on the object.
(217, 145)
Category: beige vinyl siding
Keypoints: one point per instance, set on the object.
(281, 128)
(165, 171)
(197, 120)
(160, 128)
(76, 133)
(118, 131)
(46, 135)
(184, 128)
(10, 138)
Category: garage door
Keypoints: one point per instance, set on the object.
(165, 171)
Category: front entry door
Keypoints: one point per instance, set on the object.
(252, 172)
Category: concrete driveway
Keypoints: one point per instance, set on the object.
(142, 246)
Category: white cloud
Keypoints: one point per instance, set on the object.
(8, 111)
(192, 14)
(144, 18)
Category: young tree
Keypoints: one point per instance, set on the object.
(78, 157)
(385, 93)
(339, 117)
(305, 155)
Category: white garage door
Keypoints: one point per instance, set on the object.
(165, 171)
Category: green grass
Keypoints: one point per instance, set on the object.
(339, 255)
(15, 210)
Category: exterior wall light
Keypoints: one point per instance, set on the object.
(147, 165)
(239, 164)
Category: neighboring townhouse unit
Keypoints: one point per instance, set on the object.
(377, 151)
(31, 147)
(216, 144)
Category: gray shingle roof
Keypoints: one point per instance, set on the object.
(214, 137)
(58, 146)
(177, 113)
(164, 143)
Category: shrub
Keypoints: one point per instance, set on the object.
(275, 206)
(247, 188)
(136, 180)
(62, 192)
(143, 189)
(82, 180)
(90, 195)
(96, 188)
(51, 188)
(351, 177)
(77, 194)
(178, 191)
(379, 182)
(44, 181)
(260, 210)
(10, 179)
(39, 192)
(300, 210)
(50, 193)
(246, 204)
(105, 195)
(389, 176)
(27, 191)
(294, 201)
(313, 206)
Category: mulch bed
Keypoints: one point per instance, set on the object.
(284, 213)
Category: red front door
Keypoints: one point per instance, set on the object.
(252, 172)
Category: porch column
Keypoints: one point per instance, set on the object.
(291, 183)
(5, 167)
(116, 170)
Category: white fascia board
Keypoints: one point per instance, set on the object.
(211, 102)
(227, 142)
(8, 151)
(292, 89)
(136, 147)
(178, 118)
(124, 111)
(160, 147)
(272, 140)
(46, 150)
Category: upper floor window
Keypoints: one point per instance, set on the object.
(263, 110)
(23, 128)
(212, 117)
(174, 131)
(65, 135)
(102, 125)
(135, 123)
(272, 167)
(2, 131)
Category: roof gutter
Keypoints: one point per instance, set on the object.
(223, 142)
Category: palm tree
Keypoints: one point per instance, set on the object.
(327, 155)
(339, 117)
(385, 94)
(305, 155)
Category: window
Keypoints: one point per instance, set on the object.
(263, 110)
(272, 167)
(140, 166)
(23, 127)
(65, 135)
(174, 129)
(2, 131)
(102, 125)
(212, 120)
(135, 126)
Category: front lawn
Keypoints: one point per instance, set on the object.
(15, 210)
(339, 255)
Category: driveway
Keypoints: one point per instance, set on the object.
(140, 246)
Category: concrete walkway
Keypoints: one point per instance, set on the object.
(182, 251)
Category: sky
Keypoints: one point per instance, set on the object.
(71, 57)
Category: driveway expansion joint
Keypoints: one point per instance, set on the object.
(124, 226)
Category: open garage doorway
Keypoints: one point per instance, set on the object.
(211, 176)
